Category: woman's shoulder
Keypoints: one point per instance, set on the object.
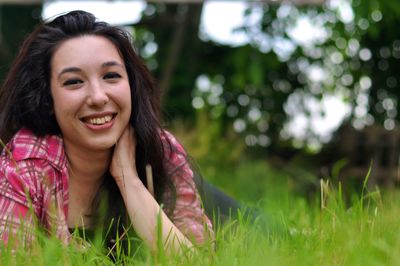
(26, 145)
(33, 164)
(171, 144)
(176, 158)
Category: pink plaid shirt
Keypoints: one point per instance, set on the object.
(34, 178)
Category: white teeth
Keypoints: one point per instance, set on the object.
(100, 120)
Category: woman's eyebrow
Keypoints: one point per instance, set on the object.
(111, 63)
(69, 69)
(77, 69)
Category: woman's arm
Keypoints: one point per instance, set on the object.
(15, 219)
(25, 201)
(143, 209)
(188, 213)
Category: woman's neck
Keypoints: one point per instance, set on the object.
(86, 170)
(87, 166)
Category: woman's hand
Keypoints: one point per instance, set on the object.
(123, 159)
(143, 209)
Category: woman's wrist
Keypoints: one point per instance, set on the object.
(129, 182)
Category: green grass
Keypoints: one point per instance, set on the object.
(328, 230)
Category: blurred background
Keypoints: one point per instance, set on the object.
(268, 97)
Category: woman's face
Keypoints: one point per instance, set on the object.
(91, 92)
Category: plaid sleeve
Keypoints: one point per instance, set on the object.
(20, 198)
(188, 214)
(27, 197)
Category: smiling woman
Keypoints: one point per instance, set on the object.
(80, 115)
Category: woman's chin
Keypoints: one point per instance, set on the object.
(101, 145)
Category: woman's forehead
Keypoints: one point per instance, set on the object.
(85, 51)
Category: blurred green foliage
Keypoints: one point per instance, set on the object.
(351, 52)
(224, 163)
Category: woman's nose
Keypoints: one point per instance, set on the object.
(97, 95)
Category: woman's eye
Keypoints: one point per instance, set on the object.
(72, 82)
(112, 75)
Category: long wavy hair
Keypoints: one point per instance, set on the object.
(26, 101)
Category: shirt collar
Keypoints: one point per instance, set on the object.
(25, 144)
